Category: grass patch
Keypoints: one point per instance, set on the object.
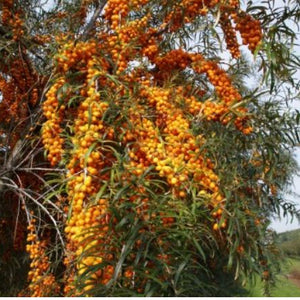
(284, 287)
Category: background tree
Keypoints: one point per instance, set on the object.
(289, 242)
(137, 158)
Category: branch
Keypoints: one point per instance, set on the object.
(91, 23)
(15, 154)
(15, 187)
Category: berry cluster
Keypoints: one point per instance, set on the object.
(249, 28)
(229, 34)
(17, 94)
(42, 282)
(7, 7)
(52, 140)
(228, 95)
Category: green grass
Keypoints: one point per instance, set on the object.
(284, 287)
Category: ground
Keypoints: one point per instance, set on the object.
(294, 277)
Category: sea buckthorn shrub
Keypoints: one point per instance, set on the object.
(154, 179)
(132, 127)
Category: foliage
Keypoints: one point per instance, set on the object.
(138, 160)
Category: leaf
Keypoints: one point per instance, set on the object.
(179, 270)
(101, 192)
(121, 191)
(199, 248)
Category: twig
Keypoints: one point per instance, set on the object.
(91, 23)
(22, 199)
(41, 169)
(15, 187)
(41, 196)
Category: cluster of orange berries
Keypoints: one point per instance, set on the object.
(230, 34)
(249, 28)
(172, 61)
(218, 77)
(81, 231)
(129, 35)
(187, 10)
(42, 39)
(82, 184)
(77, 56)
(17, 25)
(228, 94)
(191, 8)
(87, 159)
(149, 44)
(175, 152)
(34, 97)
(179, 59)
(72, 53)
(42, 282)
(116, 12)
(12, 19)
(7, 91)
(16, 86)
(143, 132)
(13, 89)
(51, 130)
(120, 44)
(7, 14)
(85, 176)
(233, 3)
(218, 214)
(131, 30)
